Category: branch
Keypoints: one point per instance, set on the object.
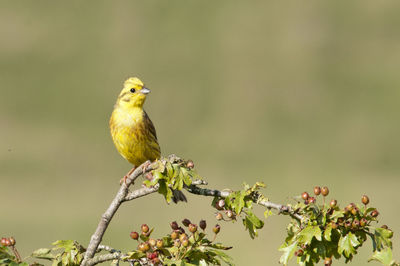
(112, 209)
(284, 209)
(123, 195)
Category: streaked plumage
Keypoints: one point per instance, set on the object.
(132, 131)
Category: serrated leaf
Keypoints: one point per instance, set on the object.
(308, 233)
(384, 256)
(336, 214)
(43, 253)
(252, 223)
(238, 203)
(223, 256)
(347, 244)
(65, 244)
(288, 253)
(382, 238)
(165, 191)
(186, 177)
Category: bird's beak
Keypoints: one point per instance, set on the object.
(145, 90)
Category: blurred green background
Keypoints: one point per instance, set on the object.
(296, 95)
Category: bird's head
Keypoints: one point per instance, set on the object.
(133, 93)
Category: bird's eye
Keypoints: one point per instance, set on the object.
(133, 90)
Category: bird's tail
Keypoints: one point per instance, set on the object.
(178, 196)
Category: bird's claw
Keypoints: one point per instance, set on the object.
(126, 176)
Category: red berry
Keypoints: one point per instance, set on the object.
(203, 224)
(333, 203)
(145, 228)
(305, 196)
(374, 213)
(177, 243)
(317, 190)
(12, 241)
(363, 222)
(190, 164)
(174, 225)
(3, 241)
(324, 191)
(230, 214)
(220, 204)
(134, 235)
(365, 199)
(355, 224)
(311, 200)
(186, 222)
(334, 225)
(384, 226)
(219, 216)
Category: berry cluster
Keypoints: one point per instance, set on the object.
(328, 231)
(229, 214)
(178, 245)
(8, 241)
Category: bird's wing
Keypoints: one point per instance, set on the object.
(154, 151)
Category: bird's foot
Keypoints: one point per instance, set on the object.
(126, 176)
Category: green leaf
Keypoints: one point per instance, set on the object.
(223, 256)
(43, 253)
(336, 214)
(268, 213)
(382, 238)
(307, 234)
(328, 231)
(288, 252)
(384, 256)
(347, 244)
(252, 223)
(65, 244)
(165, 190)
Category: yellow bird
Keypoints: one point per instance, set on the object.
(132, 131)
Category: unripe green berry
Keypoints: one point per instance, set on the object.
(159, 243)
(175, 234)
(216, 228)
(230, 214)
(152, 242)
(182, 237)
(192, 228)
(363, 222)
(185, 242)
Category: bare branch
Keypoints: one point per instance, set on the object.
(112, 209)
(284, 209)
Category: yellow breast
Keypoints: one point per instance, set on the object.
(132, 136)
